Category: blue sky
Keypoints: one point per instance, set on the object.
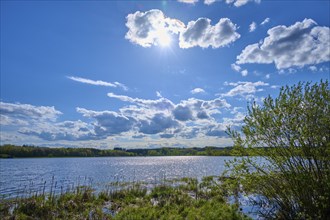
(150, 73)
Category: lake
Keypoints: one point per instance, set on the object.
(24, 176)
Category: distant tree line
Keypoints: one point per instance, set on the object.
(206, 151)
(12, 151)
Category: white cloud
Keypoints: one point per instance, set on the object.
(9, 120)
(274, 86)
(319, 69)
(120, 85)
(267, 76)
(244, 72)
(313, 68)
(182, 113)
(235, 67)
(40, 121)
(219, 129)
(287, 71)
(265, 21)
(201, 33)
(151, 27)
(244, 89)
(197, 109)
(24, 112)
(158, 94)
(298, 45)
(216, 130)
(209, 2)
(236, 3)
(97, 82)
(161, 103)
(239, 3)
(167, 119)
(236, 121)
(188, 1)
(324, 69)
(197, 90)
(67, 130)
(140, 118)
(108, 123)
(144, 119)
(252, 27)
(150, 107)
(157, 124)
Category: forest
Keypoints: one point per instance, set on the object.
(13, 151)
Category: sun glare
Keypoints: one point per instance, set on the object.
(164, 39)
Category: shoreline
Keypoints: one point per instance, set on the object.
(179, 199)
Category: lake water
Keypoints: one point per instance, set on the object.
(33, 174)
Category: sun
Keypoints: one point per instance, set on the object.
(163, 38)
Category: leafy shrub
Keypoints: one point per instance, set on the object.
(292, 135)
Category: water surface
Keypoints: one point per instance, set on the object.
(34, 174)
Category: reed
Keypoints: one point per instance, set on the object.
(184, 198)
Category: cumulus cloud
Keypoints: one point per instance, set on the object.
(97, 82)
(67, 130)
(201, 33)
(253, 26)
(145, 121)
(190, 107)
(244, 72)
(303, 43)
(218, 130)
(213, 128)
(202, 115)
(190, 132)
(7, 120)
(245, 89)
(148, 116)
(108, 123)
(203, 109)
(157, 124)
(140, 118)
(182, 113)
(265, 21)
(151, 27)
(163, 117)
(154, 28)
(236, 121)
(40, 121)
(24, 112)
(197, 90)
(239, 3)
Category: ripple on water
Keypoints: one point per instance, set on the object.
(69, 172)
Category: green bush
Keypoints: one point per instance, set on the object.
(292, 135)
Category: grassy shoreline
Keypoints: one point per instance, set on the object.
(186, 198)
